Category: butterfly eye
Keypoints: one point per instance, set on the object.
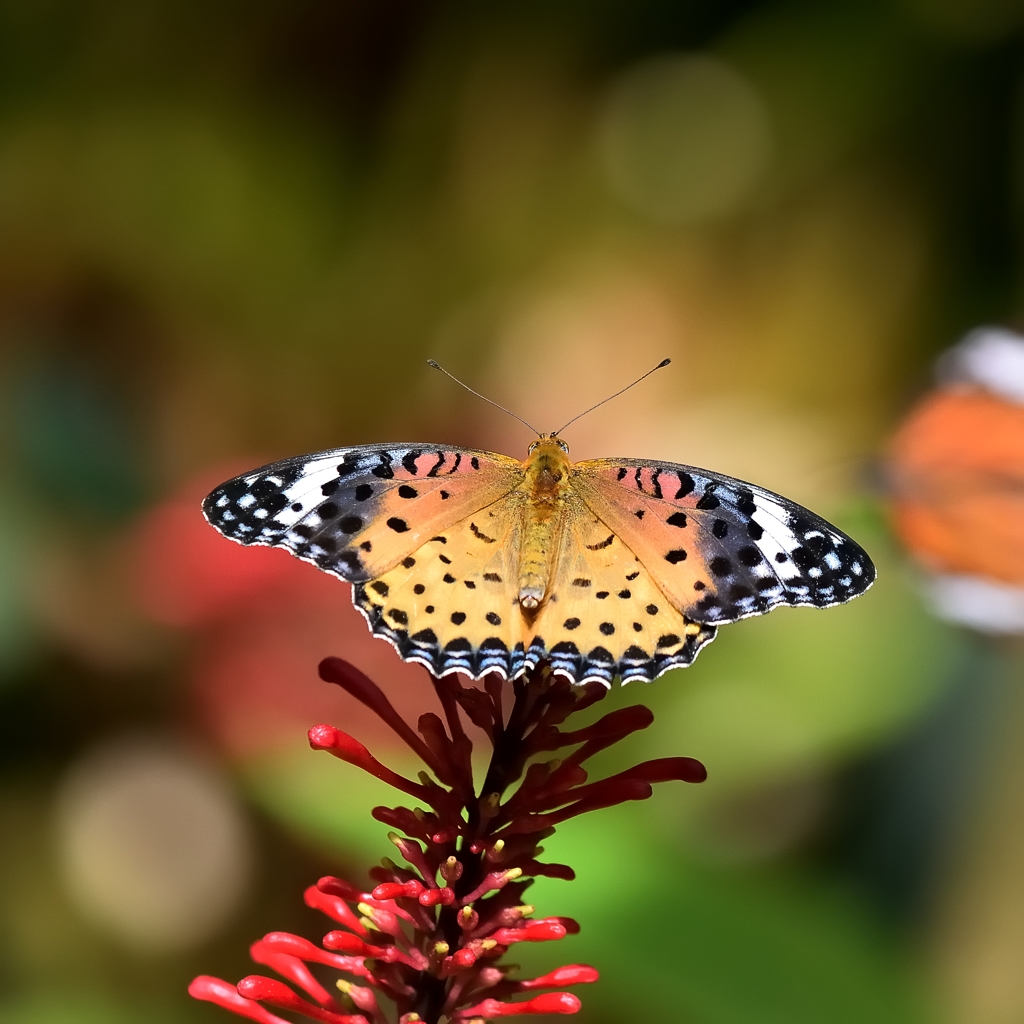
(562, 445)
(532, 448)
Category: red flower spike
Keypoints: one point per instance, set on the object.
(276, 993)
(572, 974)
(213, 990)
(434, 950)
(551, 1002)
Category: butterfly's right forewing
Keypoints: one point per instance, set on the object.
(358, 512)
(720, 548)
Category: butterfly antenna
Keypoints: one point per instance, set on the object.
(664, 362)
(437, 366)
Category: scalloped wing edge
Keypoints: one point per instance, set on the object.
(564, 658)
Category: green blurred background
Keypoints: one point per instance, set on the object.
(231, 232)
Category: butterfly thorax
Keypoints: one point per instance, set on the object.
(544, 486)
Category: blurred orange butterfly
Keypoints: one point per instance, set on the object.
(470, 561)
(955, 473)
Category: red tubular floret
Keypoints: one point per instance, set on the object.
(225, 995)
(293, 945)
(334, 907)
(432, 897)
(571, 974)
(550, 1002)
(267, 990)
(291, 967)
(365, 690)
(343, 746)
(532, 931)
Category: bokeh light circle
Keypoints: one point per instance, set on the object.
(684, 139)
(152, 845)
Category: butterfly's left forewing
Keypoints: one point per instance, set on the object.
(719, 548)
(358, 512)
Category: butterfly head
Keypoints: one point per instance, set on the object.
(549, 442)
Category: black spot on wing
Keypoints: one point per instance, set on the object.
(708, 500)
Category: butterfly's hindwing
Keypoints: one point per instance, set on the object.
(605, 616)
(452, 604)
(357, 512)
(720, 548)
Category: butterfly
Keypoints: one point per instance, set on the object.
(955, 476)
(475, 562)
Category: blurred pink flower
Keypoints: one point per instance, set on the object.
(263, 620)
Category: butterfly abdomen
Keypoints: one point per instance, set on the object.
(545, 485)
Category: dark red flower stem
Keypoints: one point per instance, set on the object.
(505, 766)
